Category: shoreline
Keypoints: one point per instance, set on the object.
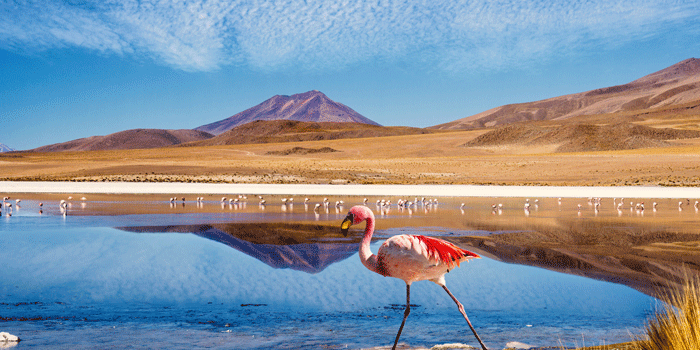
(350, 190)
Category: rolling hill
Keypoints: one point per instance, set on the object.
(311, 106)
(677, 85)
(128, 139)
(267, 131)
(580, 137)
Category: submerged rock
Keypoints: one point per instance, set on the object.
(518, 345)
(452, 346)
(8, 338)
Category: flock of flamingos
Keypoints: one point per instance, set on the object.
(383, 206)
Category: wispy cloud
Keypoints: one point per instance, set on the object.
(316, 34)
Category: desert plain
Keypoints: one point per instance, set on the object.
(435, 158)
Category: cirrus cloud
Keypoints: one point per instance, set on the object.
(311, 35)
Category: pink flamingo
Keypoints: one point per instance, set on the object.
(410, 258)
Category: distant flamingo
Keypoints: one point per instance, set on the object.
(63, 205)
(410, 258)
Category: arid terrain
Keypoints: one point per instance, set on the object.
(438, 158)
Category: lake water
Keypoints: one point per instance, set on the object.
(145, 273)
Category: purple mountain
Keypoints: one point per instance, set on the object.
(4, 148)
(312, 106)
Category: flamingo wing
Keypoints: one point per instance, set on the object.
(445, 252)
(416, 258)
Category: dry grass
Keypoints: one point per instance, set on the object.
(677, 326)
(621, 346)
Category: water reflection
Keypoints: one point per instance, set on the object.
(290, 260)
(85, 280)
(616, 239)
(308, 248)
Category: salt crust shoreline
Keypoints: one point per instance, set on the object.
(349, 190)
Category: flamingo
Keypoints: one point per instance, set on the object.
(63, 205)
(410, 258)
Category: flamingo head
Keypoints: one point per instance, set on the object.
(356, 215)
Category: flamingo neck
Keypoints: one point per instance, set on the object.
(368, 259)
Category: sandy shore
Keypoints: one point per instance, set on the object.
(349, 190)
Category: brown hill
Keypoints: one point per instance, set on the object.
(674, 86)
(582, 137)
(302, 150)
(291, 131)
(311, 106)
(128, 139)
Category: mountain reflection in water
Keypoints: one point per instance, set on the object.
(301, 247)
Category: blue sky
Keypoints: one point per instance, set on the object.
(71, 69)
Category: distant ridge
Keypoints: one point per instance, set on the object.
(579, 137)
(268, 131)
(677, 85)
(4, 148)
(311, 106)
(128, 139)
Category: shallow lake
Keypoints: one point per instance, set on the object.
(137, 272)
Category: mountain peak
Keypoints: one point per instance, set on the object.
(678, 71)
(307, 94)
(4, 148)
(310, 106)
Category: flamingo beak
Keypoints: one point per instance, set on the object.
(345, 226)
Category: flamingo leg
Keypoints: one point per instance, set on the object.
(405, 314)
(461, 309)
